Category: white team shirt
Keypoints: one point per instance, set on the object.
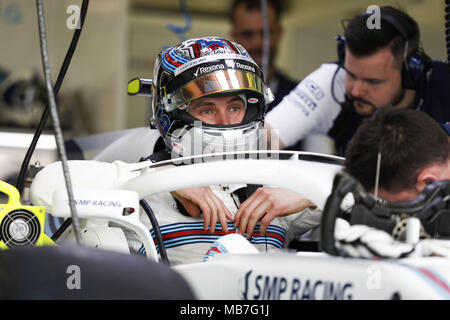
(310, 107)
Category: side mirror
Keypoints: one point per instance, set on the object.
(140, 87)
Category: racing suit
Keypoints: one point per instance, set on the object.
(313, 106)
(186, 241)
(184, 238)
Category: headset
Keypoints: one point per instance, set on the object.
(417, 64)
(431, 207)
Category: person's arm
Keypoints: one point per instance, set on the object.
(265, 205)
(308, 108)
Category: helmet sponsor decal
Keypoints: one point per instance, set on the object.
(233, 64)
(207, 69)
(252, 100)
(228, 58)
(163, 122)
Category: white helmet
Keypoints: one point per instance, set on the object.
(203, 67)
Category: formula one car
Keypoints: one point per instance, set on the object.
(368, 249)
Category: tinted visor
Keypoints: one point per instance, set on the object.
(218, 82)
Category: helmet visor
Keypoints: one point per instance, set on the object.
(218, 82)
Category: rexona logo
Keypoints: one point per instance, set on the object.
(236, 65)
(269, 287)
(202, 70)
(245, 67)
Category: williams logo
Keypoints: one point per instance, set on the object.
(270, 287)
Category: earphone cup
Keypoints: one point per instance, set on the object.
(415, 70)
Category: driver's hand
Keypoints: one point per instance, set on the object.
(203, 199)
(266, 204)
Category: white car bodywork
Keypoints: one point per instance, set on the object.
(267, 275)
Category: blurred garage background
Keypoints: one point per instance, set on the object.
(120, 40)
